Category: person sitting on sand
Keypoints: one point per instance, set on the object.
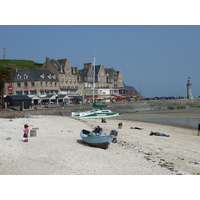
(158, 134)
(132, 127)
(120, 125)
(103, 120)
(98, 130)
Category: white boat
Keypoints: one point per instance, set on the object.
(97, 113)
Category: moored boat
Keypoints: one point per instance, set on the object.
(98, 113)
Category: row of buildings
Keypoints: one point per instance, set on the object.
(59, 82)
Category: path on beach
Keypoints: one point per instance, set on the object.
(58, 149)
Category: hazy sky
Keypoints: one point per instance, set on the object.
(156, 60)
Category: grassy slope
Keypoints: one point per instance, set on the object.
(20, 64)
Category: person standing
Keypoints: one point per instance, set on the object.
(198, 128)
(26, 131)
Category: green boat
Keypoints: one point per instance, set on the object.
(96, 113)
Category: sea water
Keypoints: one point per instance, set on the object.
(189, 118)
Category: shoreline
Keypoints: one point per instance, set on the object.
(58, 149)
(185, 118)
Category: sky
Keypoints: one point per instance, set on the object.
(156, 59)
(155, 51)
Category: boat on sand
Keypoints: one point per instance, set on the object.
(100, 141)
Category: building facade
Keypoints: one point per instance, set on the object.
(32, 82)
(57, 77)
(67, 75)
(107, 81)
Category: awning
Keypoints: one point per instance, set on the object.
(91, 96)
(136, 95)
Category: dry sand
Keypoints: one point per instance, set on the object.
(57, 149)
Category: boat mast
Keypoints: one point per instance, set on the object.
(93, 79)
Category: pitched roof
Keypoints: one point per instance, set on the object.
(83, 73)
(32, 75)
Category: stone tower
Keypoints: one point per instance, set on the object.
(4, 54)
(189, 89)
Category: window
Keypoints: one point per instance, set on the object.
(32, 84)
(18, 77)
(26, 92)
(42, 76)
(18, 84)
(25, 76)
(41, 84)
(50, 84)
(55, 84)
(46, 84)
(18, 92)
(33, 92)
(42, 92)
(56, 91)
(25, 84)
(54, 76)
(72, 92)
(49, 76)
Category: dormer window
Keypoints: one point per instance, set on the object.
(42, 76)
(25, 76)
(53, 76)
(18, 76)
(49, 76)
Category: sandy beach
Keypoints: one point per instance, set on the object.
(58, 150)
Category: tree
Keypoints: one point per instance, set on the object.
(5, 75)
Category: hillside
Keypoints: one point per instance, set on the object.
(20, 64)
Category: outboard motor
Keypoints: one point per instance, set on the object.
(114, 134)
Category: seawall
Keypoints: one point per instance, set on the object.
(124, 107)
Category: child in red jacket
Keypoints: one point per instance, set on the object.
(26, 131)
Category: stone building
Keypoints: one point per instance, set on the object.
(67, 75)
(74, 82)
(107, 81)
(32, 82)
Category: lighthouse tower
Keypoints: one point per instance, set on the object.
(189, 89)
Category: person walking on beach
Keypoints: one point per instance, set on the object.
(26, 131)
(158, 134)
(198, 128)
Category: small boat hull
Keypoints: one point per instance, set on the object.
(102, 142)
